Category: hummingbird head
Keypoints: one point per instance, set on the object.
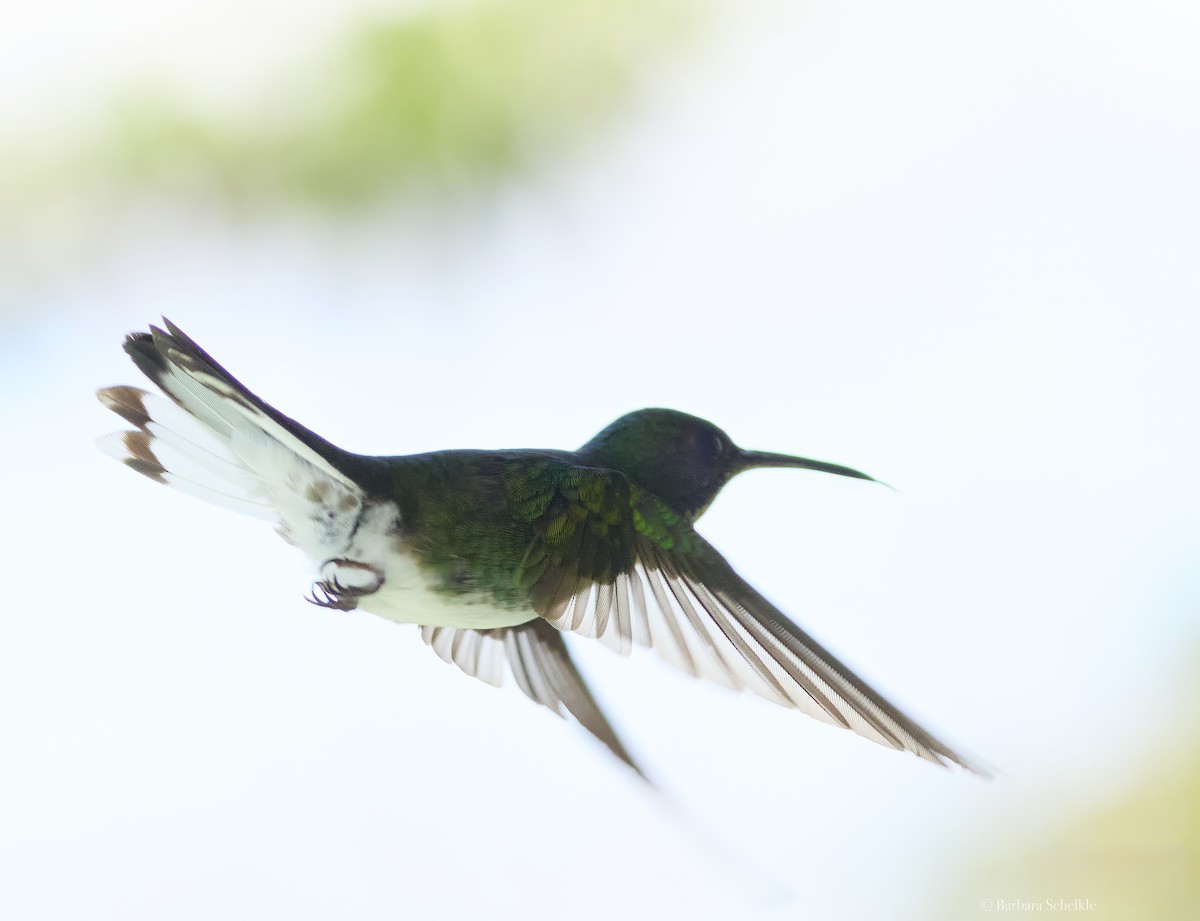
(683, 459)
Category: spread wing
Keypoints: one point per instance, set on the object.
(537, 657)
(614, 562)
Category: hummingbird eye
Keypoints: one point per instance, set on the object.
(708, 448)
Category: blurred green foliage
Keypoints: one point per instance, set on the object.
(1135, 856)
(454, 94)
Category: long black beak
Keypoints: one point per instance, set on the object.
(752, 459)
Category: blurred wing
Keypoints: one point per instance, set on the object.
(649, 579)
(537, 657)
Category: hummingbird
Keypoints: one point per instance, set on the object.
(498, 556)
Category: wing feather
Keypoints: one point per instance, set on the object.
(537, 657)
(699, 615)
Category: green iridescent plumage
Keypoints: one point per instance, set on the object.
(510, 526)
(497, 554)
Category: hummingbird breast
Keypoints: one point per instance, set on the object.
(380, 568)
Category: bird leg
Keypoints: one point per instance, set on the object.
(342, 583)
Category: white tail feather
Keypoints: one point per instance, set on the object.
(225, 500)
(213, 442)
(196, 472)
(226, 412)
(183, 456)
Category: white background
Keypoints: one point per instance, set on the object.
(953, 245)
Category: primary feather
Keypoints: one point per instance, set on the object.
(497, 554)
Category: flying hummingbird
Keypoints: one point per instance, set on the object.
(497, 555)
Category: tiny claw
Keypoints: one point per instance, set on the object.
(330, 597)
(330, 592)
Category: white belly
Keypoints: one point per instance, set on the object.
(427, 608)
(406, 594)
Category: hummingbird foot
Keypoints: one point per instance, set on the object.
(331, 595)
(332, 592)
